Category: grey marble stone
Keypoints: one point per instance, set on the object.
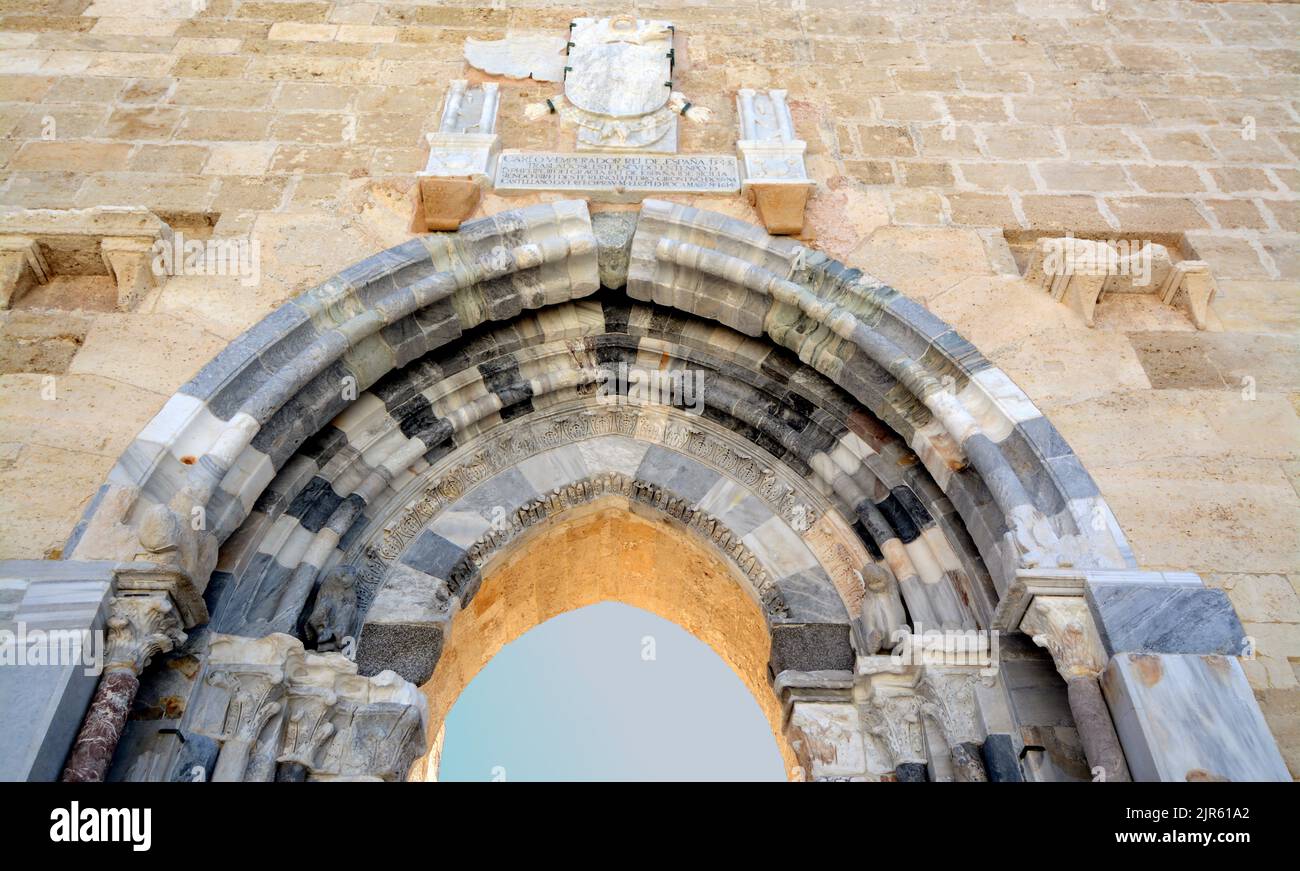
(999, 754)
(1184, 717)
(196, 759)
(1164, 618)
(613, 245)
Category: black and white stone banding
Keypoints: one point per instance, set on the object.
(854, 455)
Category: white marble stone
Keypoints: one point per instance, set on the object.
(617, 178)
(519, 57)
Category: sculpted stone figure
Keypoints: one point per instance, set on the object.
(882, 607)
(336, 607)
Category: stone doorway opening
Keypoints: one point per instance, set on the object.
(606, 551)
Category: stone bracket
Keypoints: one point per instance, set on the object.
(1079, 272)
(22, 266)
(34, 243)
(462, 158)
(773, 175)
(1191, 285)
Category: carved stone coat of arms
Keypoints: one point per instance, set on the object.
(618, 84)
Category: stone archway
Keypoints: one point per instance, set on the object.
(916, 483)
(608, 550)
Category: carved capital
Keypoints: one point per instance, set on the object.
(379, 724)
(948, 698)
(307, 724)
(1063, 625)
(891, 715)
(139, 628)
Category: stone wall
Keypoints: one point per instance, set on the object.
(937, 131)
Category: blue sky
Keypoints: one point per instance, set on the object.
(574, 699)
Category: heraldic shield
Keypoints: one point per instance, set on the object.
(620, 67)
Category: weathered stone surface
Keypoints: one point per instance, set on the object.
(780, 206)
(1198, 476)
(613, 245)
(444, 203)
(1152, 618)
(810, 647)
(1184, 717)
(410, 649)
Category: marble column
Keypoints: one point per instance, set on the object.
(139, 627)
(1064, 626)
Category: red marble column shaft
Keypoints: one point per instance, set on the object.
(102, 729)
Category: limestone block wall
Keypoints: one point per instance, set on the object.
(937, 131)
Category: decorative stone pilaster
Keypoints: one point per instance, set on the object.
(139, 627)
(462, 158)
(771, 158)
(1064, 626)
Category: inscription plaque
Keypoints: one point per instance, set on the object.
(618, 177)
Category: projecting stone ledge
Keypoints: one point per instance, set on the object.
(37, 244)
(443, 203)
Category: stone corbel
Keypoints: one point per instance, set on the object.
(22, 266)
(129, 260)
(1191, 285)
(462, 158)
(773, 175)
(121, 238)
(1078, 272)
(140, 626)
(159, 548)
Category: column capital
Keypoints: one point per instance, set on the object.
(140, 626)
(1064, 626)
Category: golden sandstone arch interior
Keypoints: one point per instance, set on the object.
(607, 551)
